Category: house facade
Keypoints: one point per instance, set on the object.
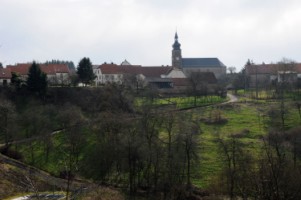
(166, 79)
(57, 74)
(126, 74)
(263, 74)
(5, 76)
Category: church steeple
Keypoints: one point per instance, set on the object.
(176, 53)
(176, 45)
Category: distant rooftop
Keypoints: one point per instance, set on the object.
(201, 62)
(125, 62)
(134, 69)
(23, 69)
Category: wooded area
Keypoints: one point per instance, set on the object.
(247, 149)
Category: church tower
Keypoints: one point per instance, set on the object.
(176, 53)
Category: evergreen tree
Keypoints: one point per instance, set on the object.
(16, 80)
(37, 80)
(70, 64)
(85, 71)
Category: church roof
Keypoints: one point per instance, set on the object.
(201, 62)
(176, 45)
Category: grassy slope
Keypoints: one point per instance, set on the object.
(248, 118)
(16, 182)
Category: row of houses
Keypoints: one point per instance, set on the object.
(160, 77)
(264, 74)
(56, 73)
(165, 78)
(174, 77)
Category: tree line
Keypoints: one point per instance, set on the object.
(102, 136)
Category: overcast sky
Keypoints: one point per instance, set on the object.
(142, 31)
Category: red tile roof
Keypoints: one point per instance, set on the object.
(5, 73)
(154, 71)
(181, 82)
(208, 77)
(23, 69)
(134, 69)
(110, 69)
(271, 68)
(55, 68)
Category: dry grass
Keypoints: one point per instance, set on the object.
(15, 182)
(10, 183)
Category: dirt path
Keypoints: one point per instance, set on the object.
(31, 139)
(232, 98)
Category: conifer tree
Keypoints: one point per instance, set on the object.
(37, 80)
(85, 71)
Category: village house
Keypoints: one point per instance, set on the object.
(167, 79)
(57, 74)
(174, 78)
(5, 76)
(136, 74)
(264, 74)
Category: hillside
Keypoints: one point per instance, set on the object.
(171, 147)
(17, 179)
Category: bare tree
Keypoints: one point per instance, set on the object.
(189, 131)
(7, 121)
(73, 125)
(169, 125)
(35, 124)
(231, 69)
(231, 149)
(198, 85)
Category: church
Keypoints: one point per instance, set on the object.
(190, 65)
(174, 78)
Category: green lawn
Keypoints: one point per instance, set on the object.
(182, 102)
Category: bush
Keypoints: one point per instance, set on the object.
(215, 117)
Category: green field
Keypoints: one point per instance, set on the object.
(247, 119)
(182, 102)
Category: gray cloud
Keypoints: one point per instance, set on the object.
(142, 30)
